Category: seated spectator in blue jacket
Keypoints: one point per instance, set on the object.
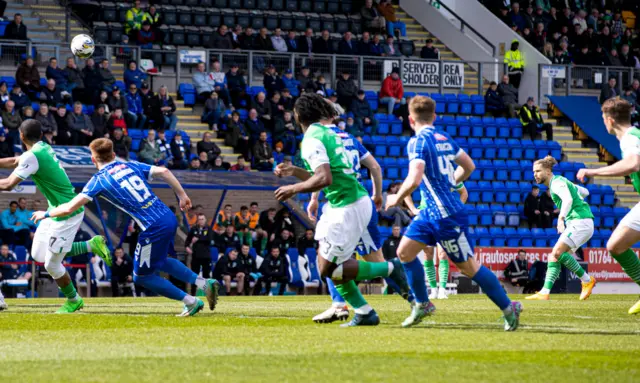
(254, 126)
(8, 271)
(493, 101)
(362, 113)
(58, 74)
(376, 47)
(347, 46)
(278, 155)
(180, 151)
(135, 109)
(202, 81)
(291, 83)
(214, 111)
(272, 82)
(13, 230)
(19, 97)
(133, 75)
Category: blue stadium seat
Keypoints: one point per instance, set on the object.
(213, 251)
(396, 128)
(482, 234)
(608, 218)
(484, 214)
(474, 193)
(501, 170)
(516, 127)
(478, 105)
(512, 237)
(383, 128)
(499, 215)
(477, 127)
(472, 215)
(295, 277)
(498, 236)
(513, 190)
(465, 103)
(529, 149)
(489, 148)
(464, 130)
(500, 192)
(502, 148)
(486, 191)
(515, 147)
(513, 216)
(513, 168)
(527, 170)
(525, 237)
(440, 102)
(476, 148)
(452, 103)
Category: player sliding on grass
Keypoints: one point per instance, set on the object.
(53, 240)
(360, 157)
(444, 221)
(124, 184)
(349, 211)
(616, 114)
(575, 226)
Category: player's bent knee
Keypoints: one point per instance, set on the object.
(55, 268)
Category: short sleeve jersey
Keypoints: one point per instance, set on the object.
(579, 207)
(357, 152)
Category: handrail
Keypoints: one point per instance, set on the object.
(463, 24)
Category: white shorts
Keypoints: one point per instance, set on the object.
(577, 233)
(55, 237)
(340, 229)
(632, 219)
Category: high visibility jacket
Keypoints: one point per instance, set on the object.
(514, 60)
(134, 20)
(525, 111)
(222, 221)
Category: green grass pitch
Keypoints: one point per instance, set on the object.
(266, 339)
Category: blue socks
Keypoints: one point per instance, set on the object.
(416, 280)
(179, 271)
(159, 285)
(491, 287)
(335, 295)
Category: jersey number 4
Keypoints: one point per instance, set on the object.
(445, 163)
(136, 187)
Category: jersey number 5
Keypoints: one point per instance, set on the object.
(136, 187)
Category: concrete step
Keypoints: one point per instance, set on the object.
(563, 136)
(595, 165)
(628, 201)
(609, 181)
(582, 150)
(581, 158)
(569, 143)
(628, 194)
(625, 188)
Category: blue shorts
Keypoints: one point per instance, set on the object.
(374, 233)
(154, 244)
(452, 233)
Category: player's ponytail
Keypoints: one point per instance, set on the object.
(548, 162)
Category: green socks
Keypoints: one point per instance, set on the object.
(553, 271)
(78, 248)
(368, 271)
(443, 272)
(430, 270)
(630, 264)
(70, 292)
(350, 292)
(570, 263)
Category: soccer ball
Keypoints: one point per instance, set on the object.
(82, 46)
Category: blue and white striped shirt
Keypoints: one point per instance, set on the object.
(125, 185)
(438, 151)
(354, 148)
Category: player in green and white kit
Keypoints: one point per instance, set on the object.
(616, 114)
(575, 226)
(53, 240)
(349, 210)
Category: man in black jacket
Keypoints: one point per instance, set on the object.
(363, 114)
(390, 245)
(517, 271)
(532, 121)
(228, 239)
(509, 95)
(232, 269)
(548, 209)
(249, 267)
(16, 30)
(346, 89)
(221, 39)
(263, 154)
(237, 86)
(306, 43)
(609, 90)
(284, 242)
(307, 241)
(199, 241)
(532, 208)
(6, 147)
(364, 45)
(429, 52)
(323, 44)
(274, 268)
(121, 274)
(347, 46)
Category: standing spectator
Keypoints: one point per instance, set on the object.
(220, 83)
(135, 110)
(232, 269)
(237, 86)
(54, 72)
(180, 152)
(609, 90)
(52, 95)
(117, 121)
(347, 46)
(121, 273)
(28, 77)
(272, 82)
(6, 147)
(213, 113)
(278, 43)
(100, 122)
(19, 98)
(92, 80)
(75, 79)
(517, 271)
(150, 151)
(203, 82)
(363, 114)
(133, 75)
(198, 242)
(240, 166)
(221, 39)
(16, 30)
(390, 49)
(323, 44)
(306, 43)
(268, 224)
(372, 20)
(307, 241)
(134, 17)
(274, 269)
(532, 121)
(47, 119)
(392, 91)
(166, 108)
(263, 154)
(390, 245)
(148, 99)
(107, 79)
(11, 121)
(399, 216)
(146, 36)
(290, 83)
(388, 11)
(509, 95)
(64, 135)
(13, 230)
(237, 136)
(493, 101)
(548, 209)
(532, 208)
(346, 89)
(80, 125)
(515, 63)
(292, 42)
(429, 52)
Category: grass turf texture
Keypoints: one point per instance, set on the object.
(273, 339)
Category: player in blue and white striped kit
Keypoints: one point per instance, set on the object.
(125, 185)
(433, 156)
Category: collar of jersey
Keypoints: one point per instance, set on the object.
(430, 127)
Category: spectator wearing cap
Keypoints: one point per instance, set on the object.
(323, 44)
(532, 121)
(388, 11)
(148, 99)
(390, 49)
(392, 91)
(429, 52)
(28, 77)
(346, 89)
(254, 126)
(180, 152)
(51, 94)
(263, 154)
(133, 75)
(237, 86)
(213, 113)
(136, 111)
(19, 97)
(117, 121)
(116, 100)
(237, 135)
(493, 101)
(146, 36)
(292, 42)
(75, 79)
(80, 125)
(46, 119)
(362, 113)
(291, 83)
(11, 121)
(107, 79)
(271, 81)
(100, 121)
(306, 81)
(278, 43)
(347, 46)
(6, 147)
(515, 63)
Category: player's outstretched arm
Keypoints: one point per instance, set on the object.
(319, 180)
(624, 167)
(63, 210)
(283, 170)
(167, 176)
(465, 167)
(10, 182)
(375, 170)
(9, 163)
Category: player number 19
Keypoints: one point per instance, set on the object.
(136, 187)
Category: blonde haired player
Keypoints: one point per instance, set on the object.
(575, 226)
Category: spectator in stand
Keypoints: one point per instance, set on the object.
(47, 119)
(392, 91)
(75, 81)
(146, 37)
(195, 164)
(133, 75)
(205, 162)
(224, 218)
(165, 109)
(539, 38)
(263, 154)
(19, 98)
(80, 125)
(11, 121)
(614, 59)
(237, 86)
(493, 101)
(284, 241)
(116, 100)
(321, 85)
(220, 165)
(517, 271)
(4, 92)
(52, 95)
(262, 42)
(399, 215)
(532, 121)
(135, 110)
(307, 241)
(390, 245)
(197, 244)
(609, 90)
(220, 83)
(202, 81)
(263, 109)
(121, 274)
(292, 41)
(286, 99)
(346, 89)
(242, 220)
(278, 43)
(372, 19)
(13, 230)
(148, 100)
(350, 126)
(306, 43)
(249, 267)
(277, 110)
(92, 79)
(180, 152)
(247, 40)
(606, 40)
(363, 114)
(165, 146)
(254, 125)
(268, 224)
(388, 11)
(323, 44)
(117, 121)
(509, 95)
(273, 269)
(236, 35)
(221, 39)
(59, 75)
(100, 122)
(6, 147)
(27, 113)
(561, 57)
(232, 269)
(532, 208)
(627, 58)
(150, 151)
(213, 113)
(240, 166)
(228, 238)
(347, 46)
(390, 49)
(272, 82)
(107, 79)
(237, 136)
(548, 209)
(16, 30)
(278, 156)
(287, 132)
(515, 63)
(28, 77)
(64, 135)
(635, 85)
(516, 16)
(364, 45)
(291, 83)
(376, 47)
(429, 52)
(134, 18)
(631, 97)
(307, 83)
